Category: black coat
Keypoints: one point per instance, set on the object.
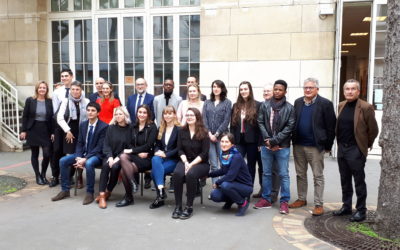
(323, 122)
(29, 114)
(252, 131)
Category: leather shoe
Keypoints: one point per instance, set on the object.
(107, 195)
(102, 200)
(298, 203)
(45, 181)
(39, 180)
(342, 211)
(358, 216)
(318, 210)
(88, 199)
(125, 202)
(61, 195)
(187, 213)
(54, 182)
(158, 202)
(177, 213)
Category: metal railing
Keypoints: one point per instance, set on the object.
(9, 112)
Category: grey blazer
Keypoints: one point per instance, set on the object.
(159, 104)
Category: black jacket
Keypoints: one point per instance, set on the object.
(29, 114)
(251, 131)
(170, 150)
(323, 122)
(143, 140)
(286, 126)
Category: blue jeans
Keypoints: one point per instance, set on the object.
(213, 156)
(160, 168)
(281, 157)
(67, 161)
(231, 192)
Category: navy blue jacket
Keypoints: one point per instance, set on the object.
(170, 150)
(131, 105)
(237, 171)
(96, 146)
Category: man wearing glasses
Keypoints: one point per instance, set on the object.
(312, 138)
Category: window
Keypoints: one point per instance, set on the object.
(189, 2)
(83, 53)
(133, 51)
(158, 3)
(82, 4)
(108, 49)
(189, 49)
(108, 4)
(59, 5)
(60, 48)
(134, 3)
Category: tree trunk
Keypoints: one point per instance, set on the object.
(388, 211)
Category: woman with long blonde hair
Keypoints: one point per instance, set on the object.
(193, 101)
(166, 153)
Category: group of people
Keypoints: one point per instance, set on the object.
(197, 138)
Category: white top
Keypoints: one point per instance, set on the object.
(168, 132)
(184, 106)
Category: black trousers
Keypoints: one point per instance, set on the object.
(251, 151)
(57, 152)
(351, 165)
(109, 176)
(197, 171)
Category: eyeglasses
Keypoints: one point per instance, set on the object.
(190, 115)
(309, 88)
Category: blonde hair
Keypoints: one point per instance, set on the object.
(46, 96)
(125, 112)
(163, 125)
(198, 90)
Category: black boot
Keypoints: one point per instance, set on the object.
(159, 201)
(134, 185)
(128, 200)
(39, 180)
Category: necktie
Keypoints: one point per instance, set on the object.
(138, 103)
(66, 92)
(89, 138)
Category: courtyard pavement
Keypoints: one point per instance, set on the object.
(30, 220)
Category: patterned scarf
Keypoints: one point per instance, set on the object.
(226, 157)
(276, 108)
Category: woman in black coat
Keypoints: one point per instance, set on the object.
(37, 128)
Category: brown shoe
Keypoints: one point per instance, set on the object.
(88, 199)
(102, 201)
(61, 195)
(318, 210)
(107, 195)
(297, 204)
(258, 195)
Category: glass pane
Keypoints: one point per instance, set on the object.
(129, 69)
(87, 4)
(194, 50)
(129, 3)
(168, 70)
(195, 26)
(65, 66)
(138, 27)
(183, 90)
(184, 50)
(113, 3)
(55, 6)
(168, 48)
(78, 51)
(183, 72)
(88, 57)
(102, 28)
(114, 73)
(56, 73)
(139, 3)
(77, 4)
(103, 51)
(158, 89)
(104, 70)
(184, 2)
(139, 70)
(64, 52)
(55, 31)
(79, 72)
(139, 55)
(64, 31)
(104, 4)
(194, 2)
(157, 50)
(168, 30)
(195, 70)
(168, 2)
(63, 5)
(128, 51)
(78, 30)
(88, 72)
(157, 27)
(113, 51)
(112, 28)
(184, 27)
(128, 31)
(88, 30)
(157, 2)
(158, 73)
(56, 52)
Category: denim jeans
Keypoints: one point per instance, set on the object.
(90, 165)
(281, 157)
(213, 156)
(161, 167)
(231, 192)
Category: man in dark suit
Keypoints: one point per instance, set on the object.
(88, 153)
(312, 138)
(141, 97)
(356, 130)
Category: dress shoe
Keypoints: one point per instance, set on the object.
(159, 201)
(258, 195)
(358, 216)
(342, 211)
(102, 201)
(107, 195)
(147, 183)
(88, 199)
(39, 180)
(318, 210)
(187, 213)
(54, 182)
(177, 213)
(125, 202)
(298, 203)
(61, 195)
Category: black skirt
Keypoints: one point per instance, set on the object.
(39, 135)
(142, 164)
